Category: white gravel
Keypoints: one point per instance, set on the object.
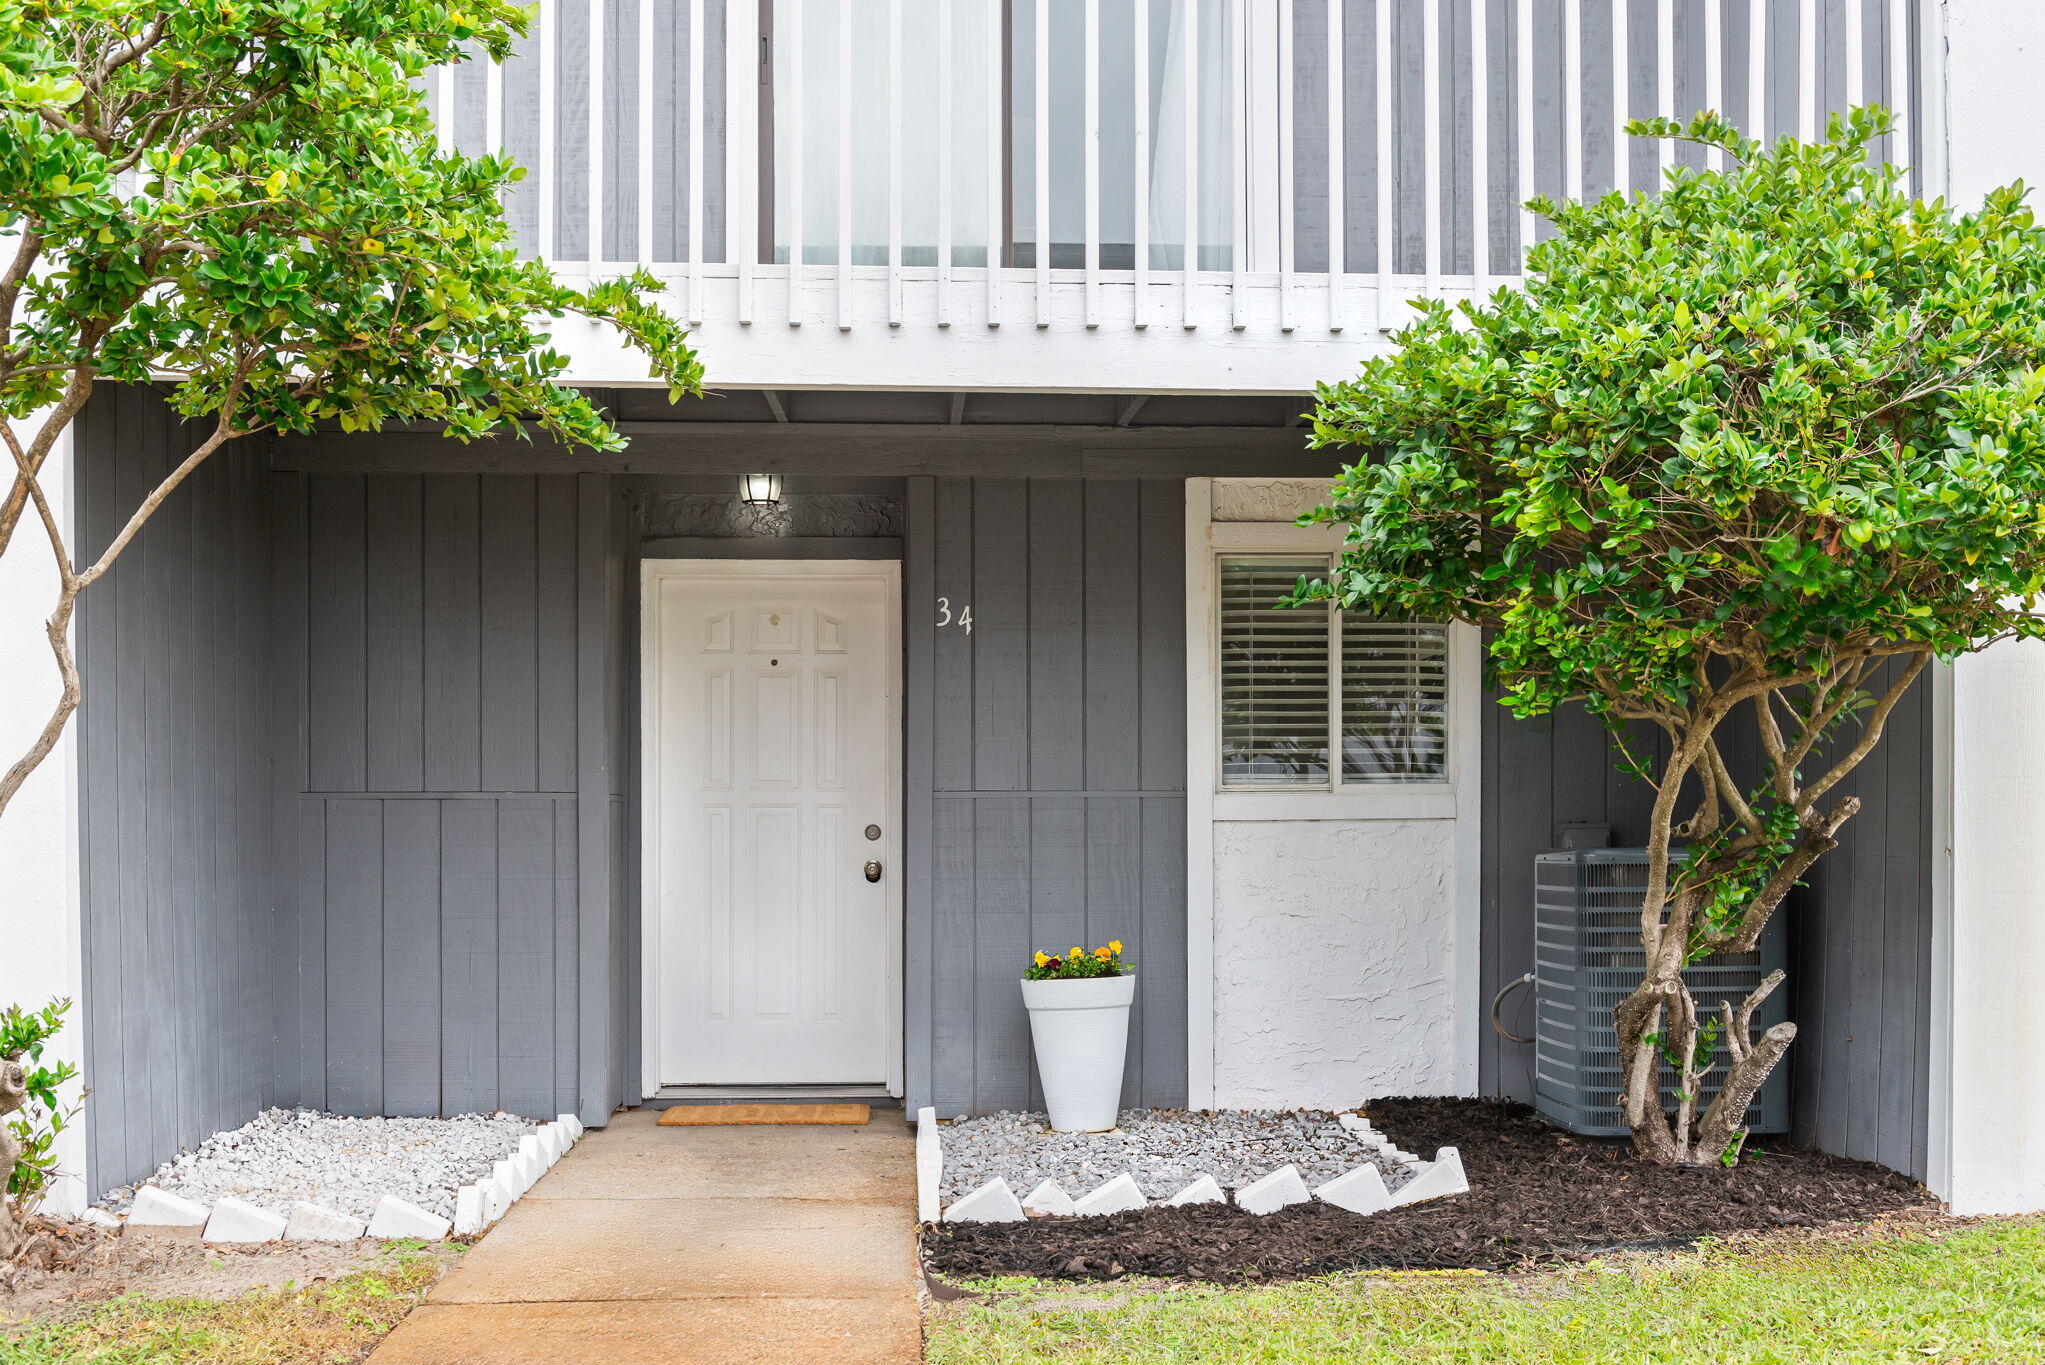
(346, 1164)
(1165, 1149)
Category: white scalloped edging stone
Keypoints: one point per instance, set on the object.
(1275, 1191)
(470, 1207)
(1116, 1196)
(237, 1220)
(396, 1218)
(1360, 1191)
(1438, 1179)
(1205, 1190)
(929, 1164)
(155, 1208)
(1050, 1198)
(993, 1202)
(317, 1223)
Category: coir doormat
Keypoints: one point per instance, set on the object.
(713, 1115)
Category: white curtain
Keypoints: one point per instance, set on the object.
(813, 26)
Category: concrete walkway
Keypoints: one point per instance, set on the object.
(686, 1245)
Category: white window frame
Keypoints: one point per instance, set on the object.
(1440, 800)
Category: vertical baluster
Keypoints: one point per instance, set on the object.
(550, 21)
(1856, 55)
(1899, 82)
(1382, 34)
(1091, 73)
(844, 165)
(1807, 92)
(443, 107)
(1665, 77)
(1191, 96)
(894, 163)
(1430, 123)
(997, 171)
(1757, 70)
(798, 131)
(1572, 98)
(1480, 150)
(493, 107)
(744, 67)
(595, 95)
(642, 97)
(696, 234)
(1337, 177)
(1284, 154)
(1236, 25)
(1041, 13)
(1523, 96)
(945, 191)
(1622, 99)
(1714, 67)
(1140, 191)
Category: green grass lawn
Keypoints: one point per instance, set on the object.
(1972, 1294)
(328, 1323)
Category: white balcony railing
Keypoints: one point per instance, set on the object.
(820, 180)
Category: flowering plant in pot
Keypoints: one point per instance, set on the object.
(1079, 1024)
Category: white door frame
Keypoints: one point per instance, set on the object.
(654, 572)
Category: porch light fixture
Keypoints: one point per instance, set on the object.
(759, 490)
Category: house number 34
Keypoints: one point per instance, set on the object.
(945, 618)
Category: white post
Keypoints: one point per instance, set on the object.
(39, 832)
(1987, 1099)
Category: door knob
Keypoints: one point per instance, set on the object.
(873, 869)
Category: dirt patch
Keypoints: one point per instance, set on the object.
(174, 1266)
(1537, 1194)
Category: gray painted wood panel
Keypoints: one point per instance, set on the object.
(1860, 929)
(1045, 808)
(182, 1011)
(453, 786)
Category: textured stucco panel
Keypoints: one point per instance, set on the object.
(1334, 961)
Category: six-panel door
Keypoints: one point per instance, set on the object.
(774, 754)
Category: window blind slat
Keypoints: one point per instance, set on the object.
(1274, 677)
(1389, 683)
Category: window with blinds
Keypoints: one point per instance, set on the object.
(1299, 685)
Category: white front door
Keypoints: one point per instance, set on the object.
(772, 813)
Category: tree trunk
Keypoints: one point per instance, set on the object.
(1661, 1016)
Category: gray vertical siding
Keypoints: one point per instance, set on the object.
(181, 1012)
(446, 790)
(1860, 979)
(1046, 770)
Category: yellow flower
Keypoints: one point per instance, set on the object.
(1103, 954)
(1077, 952)
(1114, 945)
(1042, 959)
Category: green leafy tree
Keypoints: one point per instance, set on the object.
(1753, 451)
(245, 200)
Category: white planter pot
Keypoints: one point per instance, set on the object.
(1081, 1032)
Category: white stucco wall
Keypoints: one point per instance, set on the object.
(39, 925)
(1988, 1025)
(1334, 947)
(1333, 934)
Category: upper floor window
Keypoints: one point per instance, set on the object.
(990, 127)
(1300, 684)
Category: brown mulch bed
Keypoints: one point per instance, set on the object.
(1536, 1194)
